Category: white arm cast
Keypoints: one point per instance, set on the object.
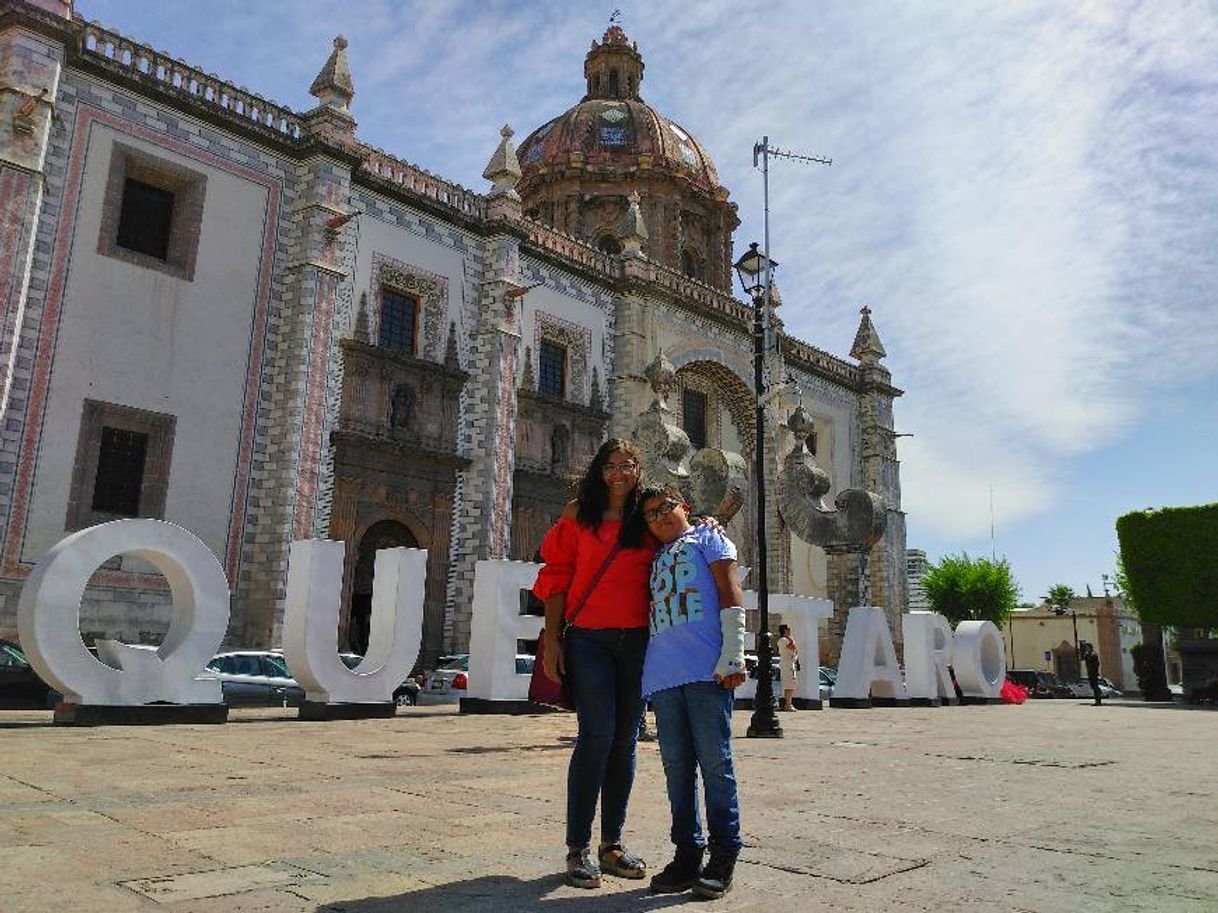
(731, 658)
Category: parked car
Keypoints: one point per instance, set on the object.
(1039, 683)
(450, 682)
(255, 678)
(1082, 688)
(20, 686)
(828, 678)
(405, 695)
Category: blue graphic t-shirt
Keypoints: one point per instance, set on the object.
(686, 637)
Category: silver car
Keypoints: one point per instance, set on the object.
(450, 682)
(255, 678)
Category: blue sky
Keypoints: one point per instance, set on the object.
(1025, 194)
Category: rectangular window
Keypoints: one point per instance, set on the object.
(693, 417)
(552, 369)
(120, 472)
(122, 465)
(145, 219)
(152, 213)
(398, 321)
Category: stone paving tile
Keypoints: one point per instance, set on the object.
(1050, 807)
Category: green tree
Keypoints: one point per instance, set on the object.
(1059, 597)
(961, 588)
(1168, 575)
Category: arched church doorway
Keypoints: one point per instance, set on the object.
(383, 534)
(1065, 662)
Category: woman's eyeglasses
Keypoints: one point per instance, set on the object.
(662, 511)
(624, 468)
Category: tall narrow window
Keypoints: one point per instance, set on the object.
(693, 417)
(120, 472)
(552, 369)
(146, 219)
(613, 84)
(398, 321)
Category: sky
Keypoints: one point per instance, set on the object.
(1024, 194)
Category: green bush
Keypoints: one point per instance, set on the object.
(1170, 562)
(961, 588)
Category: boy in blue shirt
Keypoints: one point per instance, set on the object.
(695, 658)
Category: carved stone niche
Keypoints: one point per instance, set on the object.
(394, 397)
(555, 440)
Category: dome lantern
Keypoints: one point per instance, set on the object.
(614, 67)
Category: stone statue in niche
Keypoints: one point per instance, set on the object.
(401, 406)
(560, 448)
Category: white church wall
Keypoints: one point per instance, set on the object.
(136, 337)
(573, 312)
(394, 234)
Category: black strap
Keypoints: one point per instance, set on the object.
(583, 600)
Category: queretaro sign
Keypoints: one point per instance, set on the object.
(49, 628)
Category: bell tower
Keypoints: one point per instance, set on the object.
(613, 67)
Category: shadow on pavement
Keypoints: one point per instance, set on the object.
(1160, 705)
(508, 894)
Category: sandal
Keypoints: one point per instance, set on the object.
(581, 870)
(616, 861)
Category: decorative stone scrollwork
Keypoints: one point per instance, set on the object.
(859, 517)
(713, 481)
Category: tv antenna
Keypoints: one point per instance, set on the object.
(761, 153)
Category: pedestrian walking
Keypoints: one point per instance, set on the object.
(1092, 661)
(788, 672)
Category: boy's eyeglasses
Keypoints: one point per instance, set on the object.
(662, 511)
(619, 469)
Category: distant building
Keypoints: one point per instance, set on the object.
(1038, 638)
(916, 567)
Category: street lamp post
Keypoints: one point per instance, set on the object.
(754, 269)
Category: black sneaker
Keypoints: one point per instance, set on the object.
(680, 874)
(581, 870)
(716, 878)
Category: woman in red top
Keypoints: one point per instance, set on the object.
(598, 571)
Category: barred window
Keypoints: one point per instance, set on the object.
(120, 472)
(552, 369)
(398, 321)
(693, 417)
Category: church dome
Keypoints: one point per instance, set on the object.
(580, 169)
(612, 126)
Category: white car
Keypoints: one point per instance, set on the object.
(1083, 689)
(449, 683)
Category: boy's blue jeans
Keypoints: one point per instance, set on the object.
(694, 723)
(605, 675)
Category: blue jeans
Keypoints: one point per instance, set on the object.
(694, 723)
(605, 677)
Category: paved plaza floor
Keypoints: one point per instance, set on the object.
(1053, 806)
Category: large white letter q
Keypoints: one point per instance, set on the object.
(48, 617)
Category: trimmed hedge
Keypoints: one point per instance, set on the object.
(1170, 558)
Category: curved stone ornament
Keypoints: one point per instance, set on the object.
(48, 618)
(664, 443)
(858, 519)
(717, 480)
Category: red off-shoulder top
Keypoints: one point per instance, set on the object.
(573, 553)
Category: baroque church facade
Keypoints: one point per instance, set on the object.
(244, 320)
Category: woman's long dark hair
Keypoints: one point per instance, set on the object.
(592, 493)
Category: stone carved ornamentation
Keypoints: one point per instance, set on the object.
(859, 517)
(577, 341)
(713, 480)
(430, 289)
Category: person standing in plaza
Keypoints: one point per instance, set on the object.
(694, 661)
(788, 656)
(594, 586)
(1092, 662)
